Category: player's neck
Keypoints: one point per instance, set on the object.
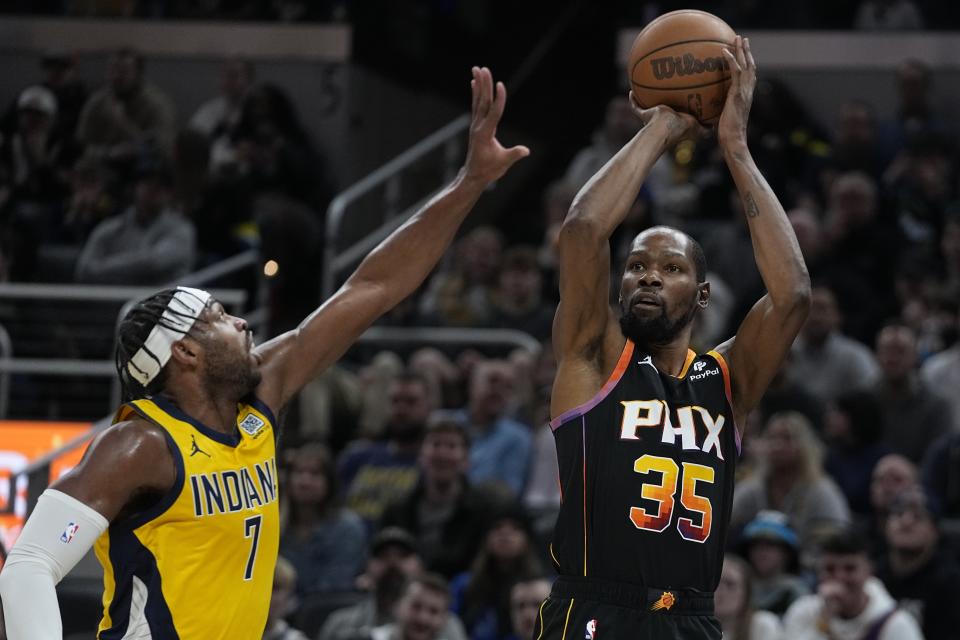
(669, 358)
(217, 412)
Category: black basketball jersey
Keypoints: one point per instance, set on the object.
(646, 474)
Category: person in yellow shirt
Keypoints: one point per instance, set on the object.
(179, 496)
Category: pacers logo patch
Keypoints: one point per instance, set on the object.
(69, 532)
(666, 601)
(591, 633)
(251, 424)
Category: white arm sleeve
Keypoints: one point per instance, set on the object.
(57, 535)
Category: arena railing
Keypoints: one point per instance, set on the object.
(389, 178)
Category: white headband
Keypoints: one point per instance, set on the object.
(178, 318)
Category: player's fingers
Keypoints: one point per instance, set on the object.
(734, 65)
(741, 56)
(517, 153)
(486, 78)
(474, 90)
(499, 102)
(751, 63)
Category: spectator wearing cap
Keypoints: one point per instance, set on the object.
(772, 550)
(517, 301)
(920, 574)
(151, 243)
(850, 603)
(34, 169)
(445, 512)
(393, 560)
(481, 596)
(127, 113)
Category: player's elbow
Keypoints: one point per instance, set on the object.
(581, 229)
(795, 302)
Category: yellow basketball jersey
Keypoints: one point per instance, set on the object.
(198, 564)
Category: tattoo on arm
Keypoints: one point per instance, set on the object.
(750, 206)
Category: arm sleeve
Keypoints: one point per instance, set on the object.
(57, 535)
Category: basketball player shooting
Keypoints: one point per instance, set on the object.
(179, 496)
(647, 431)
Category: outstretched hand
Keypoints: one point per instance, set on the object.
(679, 125)
(732, 128)
(487, 159)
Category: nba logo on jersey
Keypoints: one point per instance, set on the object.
(69, 532)
(591, 630)
(252, 424)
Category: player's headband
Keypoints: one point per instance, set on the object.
(178, 318)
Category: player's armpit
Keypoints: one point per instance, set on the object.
(125, 461)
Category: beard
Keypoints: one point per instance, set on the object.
(231, 373)
(655, 331)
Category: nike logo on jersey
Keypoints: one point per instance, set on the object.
(648, 360)
(644, 414)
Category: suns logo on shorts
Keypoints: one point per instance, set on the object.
(666, 601)
(252, 424)
(591, 633)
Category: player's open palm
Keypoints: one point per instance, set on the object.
(487, 159)
(732, 128)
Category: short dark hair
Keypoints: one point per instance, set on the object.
(411, 377)
(848, 541)
(699, 259)
(431, 582)
(131, 336)
(443, 422)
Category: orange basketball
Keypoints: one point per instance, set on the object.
(677, 60)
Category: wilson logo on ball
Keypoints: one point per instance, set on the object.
(685, 65)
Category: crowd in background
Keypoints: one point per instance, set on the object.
(423, 480)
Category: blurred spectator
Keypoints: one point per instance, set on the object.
(517, 302)
(949, 276)
(732, 603)
(791, 480)
(218, 115)
(728, 250)
(620, 124)
(60, 76)
(824, 360)
(459, 294)
(921, 575)
(127, 113)
(854, 428)
(888, 15)
(526, 596)
(541, 495)
(34, 172)
(151, 243)
(893, 475)
(914, 416)
(863, 250)
(375, 474)
(92, 200)
(481, 596)
(393, 561)
(500, 446)
(273, 150)
(788, 393)
(325, 542)
(850, 603)
(282, 603)
(855, 145)
(811, 237)
(772, 549)
(941, 371)
(444, 512)
(941, 473)
(421, 611)
(916, 114)
(921, 180)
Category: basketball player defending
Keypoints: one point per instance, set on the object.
(179, 496)
(647, 430)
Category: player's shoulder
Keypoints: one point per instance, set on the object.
(133, 438)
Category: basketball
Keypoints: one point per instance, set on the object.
(677, 61)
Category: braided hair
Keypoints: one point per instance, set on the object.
(131, 336)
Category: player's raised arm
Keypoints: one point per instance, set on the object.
(763, 339)
(581, 324)
(398, 265)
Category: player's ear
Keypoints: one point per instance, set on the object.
(703, 295)
(185, 351)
